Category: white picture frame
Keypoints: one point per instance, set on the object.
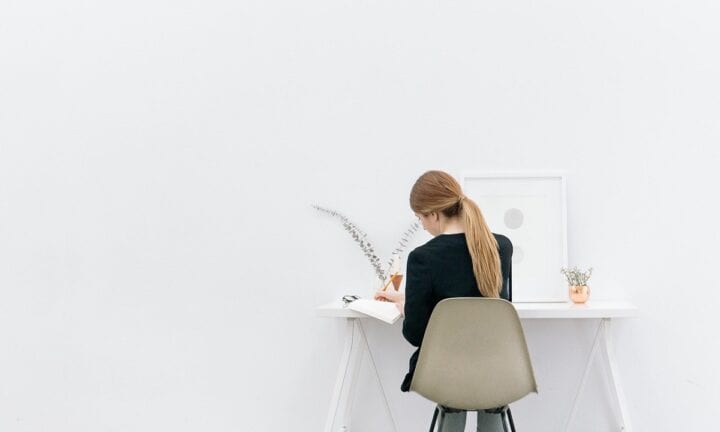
(530, 208)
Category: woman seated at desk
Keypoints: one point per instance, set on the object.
(464, 259)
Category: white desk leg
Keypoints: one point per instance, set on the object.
(377, 375)
(593, 351)
(613, 378)
(356, 360)
(603, 339)
(350, 360)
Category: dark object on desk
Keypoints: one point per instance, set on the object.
(347, 299)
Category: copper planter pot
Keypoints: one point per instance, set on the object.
(579, 293)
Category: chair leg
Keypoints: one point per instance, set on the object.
(512, 423)
(441, 425)
(503, 419)
(434, 419)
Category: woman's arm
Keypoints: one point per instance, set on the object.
(418, 297)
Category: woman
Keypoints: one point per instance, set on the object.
(464, 259)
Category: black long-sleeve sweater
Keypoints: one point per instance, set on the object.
(440, 269)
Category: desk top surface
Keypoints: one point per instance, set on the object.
(559, 310)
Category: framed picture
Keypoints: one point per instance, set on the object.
(531, 210)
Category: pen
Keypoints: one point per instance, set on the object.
(392, 278)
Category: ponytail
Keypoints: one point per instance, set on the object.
(483, 249)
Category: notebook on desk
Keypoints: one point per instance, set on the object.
(384, 311)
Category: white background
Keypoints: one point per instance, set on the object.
(159, 260)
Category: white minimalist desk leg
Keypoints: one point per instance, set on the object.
(593, 351)
(603, 340)
(613, 378)
(355, 345)
(349, 360)
(377, 375)
(356, 360)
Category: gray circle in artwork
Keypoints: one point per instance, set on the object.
(518, 255)
(514, 218)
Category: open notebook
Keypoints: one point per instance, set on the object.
(384, 311)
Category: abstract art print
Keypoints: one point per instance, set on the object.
(529, 209)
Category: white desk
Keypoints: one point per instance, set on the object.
(356, 345)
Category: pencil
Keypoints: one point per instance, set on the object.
(392, 278)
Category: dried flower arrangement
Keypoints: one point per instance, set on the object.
(362, 240)
(575, 276)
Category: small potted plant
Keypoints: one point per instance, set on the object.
(577, 282)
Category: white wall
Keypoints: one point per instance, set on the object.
(159, 261)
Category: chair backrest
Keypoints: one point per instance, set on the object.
(474, 355)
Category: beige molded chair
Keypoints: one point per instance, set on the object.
(474, 357)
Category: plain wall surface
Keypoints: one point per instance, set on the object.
(159, 259)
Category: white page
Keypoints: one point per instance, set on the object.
(384, 311)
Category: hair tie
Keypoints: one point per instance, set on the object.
(461, 199)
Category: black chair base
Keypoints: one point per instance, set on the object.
(440, 411)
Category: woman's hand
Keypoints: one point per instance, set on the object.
(392, 296)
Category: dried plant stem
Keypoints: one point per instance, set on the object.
(361, 238)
